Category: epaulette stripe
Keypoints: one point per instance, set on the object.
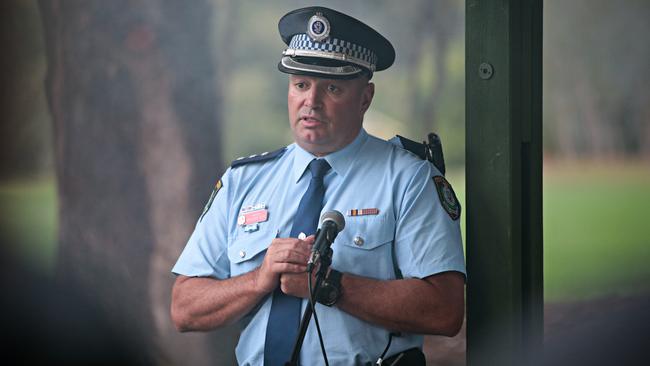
(258, 157)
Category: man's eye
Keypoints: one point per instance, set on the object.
(333, 88)
(300, 85)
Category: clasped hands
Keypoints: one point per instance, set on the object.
(285, 265)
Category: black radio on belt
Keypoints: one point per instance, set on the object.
(410, 357)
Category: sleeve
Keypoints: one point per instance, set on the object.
(206, 252)
(427, 236)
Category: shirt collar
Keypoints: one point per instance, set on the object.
(340, 161)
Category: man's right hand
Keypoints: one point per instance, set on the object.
(284, 255)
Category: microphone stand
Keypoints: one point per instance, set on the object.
(325, 262)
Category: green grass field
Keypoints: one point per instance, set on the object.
(596, 227)
(596, 230)
(28, 217)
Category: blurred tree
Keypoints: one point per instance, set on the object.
(24, 132)
(436, 24)
(596, 84)
(132, 92)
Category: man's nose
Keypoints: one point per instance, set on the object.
(313, 98)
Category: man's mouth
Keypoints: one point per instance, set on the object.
(311, 121)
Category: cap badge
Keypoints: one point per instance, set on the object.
(318, 27)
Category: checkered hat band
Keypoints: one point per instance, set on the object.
(304, 42)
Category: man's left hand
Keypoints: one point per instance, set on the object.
(295, 284)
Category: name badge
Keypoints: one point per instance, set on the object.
(250, 216)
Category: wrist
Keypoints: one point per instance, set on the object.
(259, 286)
(330, 291)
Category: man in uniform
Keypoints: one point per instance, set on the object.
(397, 268)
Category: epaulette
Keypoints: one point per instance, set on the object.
(431, 151)
(415, 148)
(258, 157)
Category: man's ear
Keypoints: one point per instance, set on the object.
(366, 97)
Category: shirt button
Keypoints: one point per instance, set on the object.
(242, 253)
(358, 241)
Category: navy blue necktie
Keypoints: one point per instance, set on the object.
(284, 320)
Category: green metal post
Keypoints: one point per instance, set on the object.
(504, 180)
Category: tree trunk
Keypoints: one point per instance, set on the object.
(24, 129)
(132, 92)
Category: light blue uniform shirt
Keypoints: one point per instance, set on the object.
(368, 173)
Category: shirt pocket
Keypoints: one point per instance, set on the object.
(245, 251)
(364, 247)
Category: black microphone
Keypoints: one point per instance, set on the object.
(331, 223)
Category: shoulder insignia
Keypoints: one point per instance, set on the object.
(216, 189)
(258, 157)
(447, 197)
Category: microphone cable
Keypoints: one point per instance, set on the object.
(380, 360)
(313, 309)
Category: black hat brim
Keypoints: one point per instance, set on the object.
(323, 68)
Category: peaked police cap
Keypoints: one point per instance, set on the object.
(326, 43)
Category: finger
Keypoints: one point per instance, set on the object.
(283, 267)
(303, 250)
(294, 284)
(290, 256)
(289, 253)
(285, 243)
(291, 277)
(294, 278)
(283, 240)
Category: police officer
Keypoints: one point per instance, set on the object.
(397, 269)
